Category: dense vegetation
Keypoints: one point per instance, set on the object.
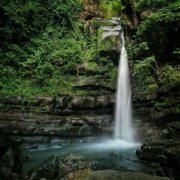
(44, 42)
(155, 46)
(33, 34)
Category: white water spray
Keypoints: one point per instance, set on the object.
(123, 112)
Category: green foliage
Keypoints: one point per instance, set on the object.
(143, 72)
(51, 59)
(38, 45)
(177, 53)
(138, 50)
(105, 68)
(152, 5)
(51, 44)
(20, 20)
(110, 8)
(160, 29)
(169, 14)
(169, 77)
(147, 63)
(143, 5)
(154, 47)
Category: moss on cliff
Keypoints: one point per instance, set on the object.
(154, 50)
(111, 8)
(61, 53)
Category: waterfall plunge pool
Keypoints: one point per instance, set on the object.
(105, 153)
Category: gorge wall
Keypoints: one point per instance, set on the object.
(59, 73)
(88, 108)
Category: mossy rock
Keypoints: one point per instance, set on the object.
(88, 174)
(109, 34)
(110, 8)
(79, 174)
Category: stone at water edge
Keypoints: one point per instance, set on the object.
(88, 174)
(116, 175)
(166, 152)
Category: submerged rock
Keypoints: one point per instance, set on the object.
(70, 164)
(73, 157)
(49, 171)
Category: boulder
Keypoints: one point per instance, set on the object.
(90, 120)
(89, 102)
(77, 122)
(71, 164)
(101, 101)
(77, 102)
(42, 101)
(165, 152)
(111, 99)
(109, 42)
(63, 102)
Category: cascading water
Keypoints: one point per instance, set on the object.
(123, 112)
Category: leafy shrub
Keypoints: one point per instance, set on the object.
(169, 76)
(160, 30)
(144, 75)
(110, 8)
(152, 5)
(34, 36)
(138, 50)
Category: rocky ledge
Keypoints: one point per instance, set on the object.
(63, 116)
(48, 124)
(165, 150)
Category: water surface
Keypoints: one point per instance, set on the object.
(105, 153)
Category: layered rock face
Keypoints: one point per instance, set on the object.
(65, 116)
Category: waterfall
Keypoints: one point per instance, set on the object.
(123, 110)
